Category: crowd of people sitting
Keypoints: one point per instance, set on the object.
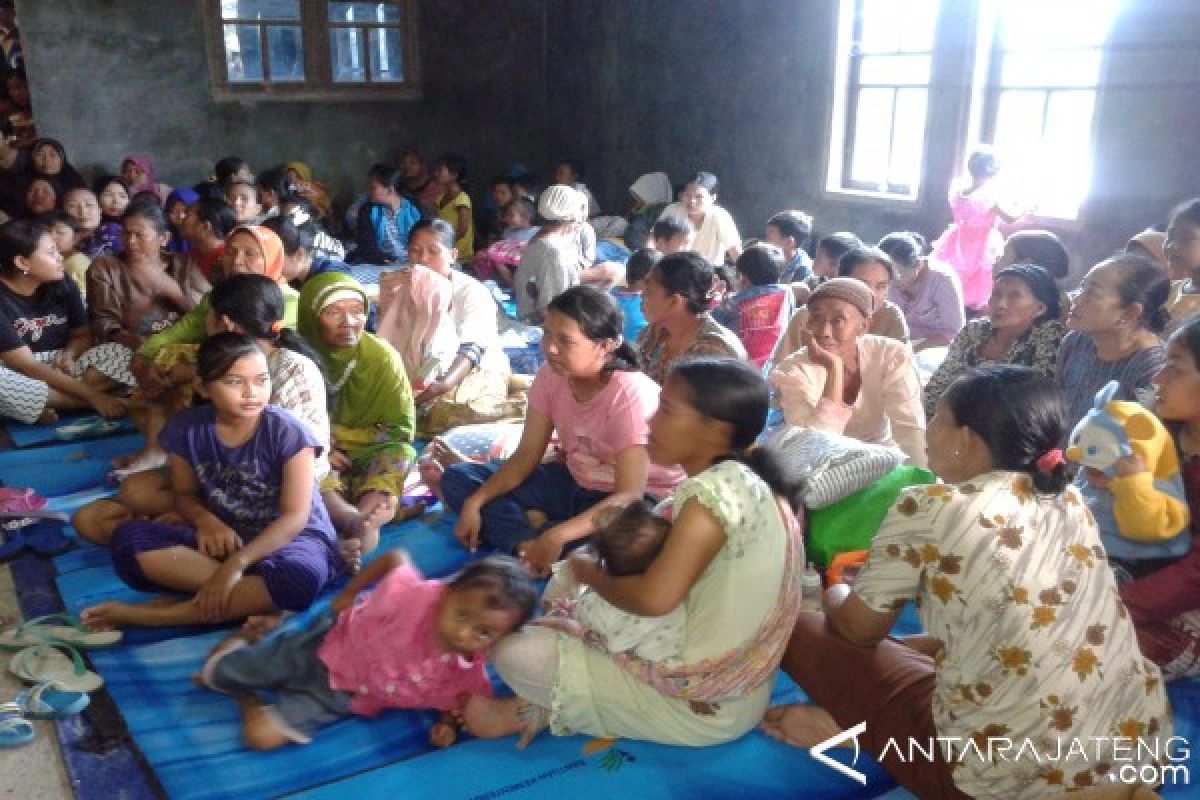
(282, 399)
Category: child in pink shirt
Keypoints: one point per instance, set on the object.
(592, 395)
(410, 643)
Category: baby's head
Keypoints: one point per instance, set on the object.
(629, 541)
(485, 602)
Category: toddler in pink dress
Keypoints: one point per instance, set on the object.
(973, 242)
(410, 643)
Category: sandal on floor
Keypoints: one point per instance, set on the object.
(55, 628)
(57, 663)
(50, 701)
(88, 426)
(15, 730)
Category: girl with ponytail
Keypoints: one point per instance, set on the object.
(1011, 583)
(732, 558)
(591, 392)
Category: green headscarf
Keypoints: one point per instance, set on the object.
(370, 381)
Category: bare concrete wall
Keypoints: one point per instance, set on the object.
(739, 87)
(111, 77)
(743, 88)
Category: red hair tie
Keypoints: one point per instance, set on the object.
(1050, 459)
(277, 326)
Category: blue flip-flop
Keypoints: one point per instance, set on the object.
(50, 701)
(15, 730)
(48, 539)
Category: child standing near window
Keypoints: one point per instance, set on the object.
(973, 242)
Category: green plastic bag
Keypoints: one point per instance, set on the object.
(851, 523)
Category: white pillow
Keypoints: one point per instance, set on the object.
(830, 466)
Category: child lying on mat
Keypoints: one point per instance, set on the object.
(627, 543)
(410, 643)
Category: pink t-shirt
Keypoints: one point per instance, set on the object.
(594, 433)
(385, 652)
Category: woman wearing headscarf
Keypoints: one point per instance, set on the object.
(176, 209)
(162, 366)
(137, 172)
(845, 380)
(373, 418)
(48, 159)
(301, 176)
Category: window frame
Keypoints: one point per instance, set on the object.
(318, 83)
(986, 95)
(842, 128)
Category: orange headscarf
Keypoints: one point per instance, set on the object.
(272, 249)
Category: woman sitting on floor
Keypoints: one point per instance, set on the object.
(373, 417)
(591, 393)
(1021, 327)
(255, 537)
(43, 330)
(730, 561)
(845, 380)
(1115, 322)
(138, 293)
(675, 299)
(474, 386)
(251, 305)
(1026, 636)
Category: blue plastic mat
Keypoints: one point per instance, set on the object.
(68, 468)
(32, 435)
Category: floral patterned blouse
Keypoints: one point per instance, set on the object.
(1038, 348)
(1038, 645)
(713, 339)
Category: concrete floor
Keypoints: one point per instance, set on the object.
(35, 771)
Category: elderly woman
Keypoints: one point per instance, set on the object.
(43, 330)
(928, 293)
(1027, 638)
(1021, 327)
(138, 293)
(373, 418)
(716, 233)
(848, 381)
(873, 267)
(676, 300)
(1114, 323)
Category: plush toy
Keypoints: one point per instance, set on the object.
(1141, 514)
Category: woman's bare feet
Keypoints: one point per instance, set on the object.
(256, 627)
(433, 463)
(491, 717)
(360, 533)
(47, 417)
(799, 725)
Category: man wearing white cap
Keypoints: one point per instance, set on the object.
(550, 264)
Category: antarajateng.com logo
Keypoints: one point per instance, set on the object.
(1125, 759)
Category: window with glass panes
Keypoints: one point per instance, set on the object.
(312, 48)
(887, 61)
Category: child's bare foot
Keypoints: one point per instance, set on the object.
(109, 616)
(257, 626)
(799, 725)
(431, 472)
(351, 552)
(47, 417)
